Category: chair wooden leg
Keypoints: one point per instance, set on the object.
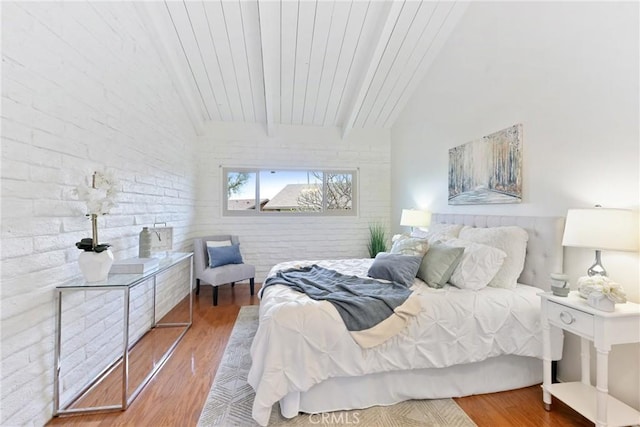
(197, 286)
(233, 284)
(215, 295)
(251, 284)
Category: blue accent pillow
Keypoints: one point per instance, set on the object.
(397, 268)
(223, 255)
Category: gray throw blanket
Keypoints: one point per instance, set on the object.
(362, 303)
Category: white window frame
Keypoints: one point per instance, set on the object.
(325, 212)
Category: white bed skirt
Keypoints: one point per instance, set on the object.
(388, 388)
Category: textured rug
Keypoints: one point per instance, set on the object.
(231, 398)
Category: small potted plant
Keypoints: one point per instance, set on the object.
(377, 239)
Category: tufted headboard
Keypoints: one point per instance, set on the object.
(544, 248)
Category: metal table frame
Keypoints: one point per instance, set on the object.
(124, 283)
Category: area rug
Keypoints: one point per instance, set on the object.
(231, 398)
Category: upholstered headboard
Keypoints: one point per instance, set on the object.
(544, 248)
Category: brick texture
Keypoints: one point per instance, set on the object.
(82, 88)
(267, 240)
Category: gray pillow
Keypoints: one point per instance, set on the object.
(397, 268)
(438, 264)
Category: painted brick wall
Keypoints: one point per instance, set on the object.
(82, 88)
(266, 241)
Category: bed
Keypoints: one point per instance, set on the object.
(462, 342)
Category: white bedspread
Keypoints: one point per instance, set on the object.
(301, 342)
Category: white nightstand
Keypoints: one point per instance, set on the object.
(574, 315)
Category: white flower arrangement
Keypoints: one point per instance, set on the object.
(602, 285)
(100, 196)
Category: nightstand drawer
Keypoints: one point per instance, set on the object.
(570, 319)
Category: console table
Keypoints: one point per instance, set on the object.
(121, 283)
(605, 329)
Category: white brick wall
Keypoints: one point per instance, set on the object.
(265, 241)
(82, 88)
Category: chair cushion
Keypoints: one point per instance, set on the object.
(227, 274)
(224, 255)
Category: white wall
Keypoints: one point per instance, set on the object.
(82, 88)
(569, 72)
(265, 241)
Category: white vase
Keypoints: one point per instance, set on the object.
(95, 266)
(601, 302)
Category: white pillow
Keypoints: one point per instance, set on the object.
(479, 264)
(405, 245)
(399, 236)
(442, 232)
(510, 239)
(218, 243)
(419, 234)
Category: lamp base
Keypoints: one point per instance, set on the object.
(597, 269)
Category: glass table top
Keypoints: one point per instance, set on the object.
(124, 280)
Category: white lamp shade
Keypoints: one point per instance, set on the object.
(415, 218)
(601, 229)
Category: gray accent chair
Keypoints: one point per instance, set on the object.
(222, 275)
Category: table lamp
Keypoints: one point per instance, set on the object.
(600, 229)
(415, 218)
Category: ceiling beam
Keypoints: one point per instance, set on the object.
(153, 17)
(376, 57)
(269, 14)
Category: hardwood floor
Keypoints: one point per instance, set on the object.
(176, 395)
(522, 408)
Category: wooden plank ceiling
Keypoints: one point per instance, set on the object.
(349, 64)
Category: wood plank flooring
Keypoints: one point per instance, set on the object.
(176, 395)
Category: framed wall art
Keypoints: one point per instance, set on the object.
(487, 170)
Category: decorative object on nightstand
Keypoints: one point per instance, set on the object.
(96, 259)
(601, 229)
(601, 292)
(415, 218)
(574, 315)
(560, 284)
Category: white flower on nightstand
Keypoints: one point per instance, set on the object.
(603, 285)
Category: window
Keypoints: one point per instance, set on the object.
(298, 192)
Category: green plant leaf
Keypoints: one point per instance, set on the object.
(377, 239)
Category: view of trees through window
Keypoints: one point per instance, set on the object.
(293, 191)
